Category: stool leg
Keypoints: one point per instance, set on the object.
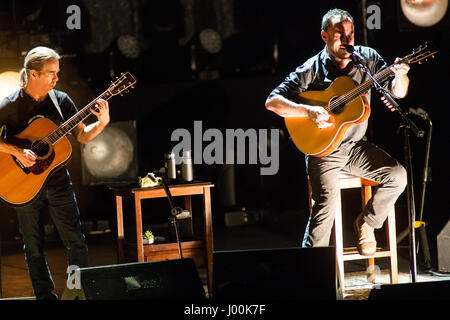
(392, 242)
(338, 240)
(366, 194)
(370, 264)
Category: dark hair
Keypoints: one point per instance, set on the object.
(344, 16)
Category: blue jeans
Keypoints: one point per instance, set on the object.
(64, 212)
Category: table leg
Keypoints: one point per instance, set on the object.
(120, 233)
(188, 203)
(208, 237)
(139, 232)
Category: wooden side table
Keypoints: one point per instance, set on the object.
(143, 251)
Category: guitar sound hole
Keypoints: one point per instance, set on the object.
(40, 148)
(335, 106)
(45, 155)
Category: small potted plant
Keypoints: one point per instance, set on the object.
(148, 237)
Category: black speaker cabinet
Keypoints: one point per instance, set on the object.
(430, 290)
(175, 279)
(285, 273)
(443, 249)
(112, 156)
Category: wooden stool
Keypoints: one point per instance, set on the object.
(348, 254)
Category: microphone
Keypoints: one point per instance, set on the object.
(356, 57)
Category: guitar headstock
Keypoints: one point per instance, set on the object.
(420, 54)
(122, 84)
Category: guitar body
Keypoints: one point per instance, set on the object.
(311, 140)
(19, 185)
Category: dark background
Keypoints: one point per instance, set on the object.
(228, 90)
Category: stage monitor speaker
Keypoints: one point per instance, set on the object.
(430, 290)
(443, 249)
(112, 156)
(177, 279)
(273, 274)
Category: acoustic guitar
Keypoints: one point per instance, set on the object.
(20, 185)
(347, 105)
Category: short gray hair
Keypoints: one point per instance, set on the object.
(344, 16)
(35, 60)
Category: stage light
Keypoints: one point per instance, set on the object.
(128, 46)
(211, 41)
(424, 13)
(9, 82)
(112, 156)
(206, 54)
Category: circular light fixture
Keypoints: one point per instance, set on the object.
(210, 40)
(109, 155)
(424, 13)
(128, 46)
(9, 82)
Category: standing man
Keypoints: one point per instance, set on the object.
(37, 97)
(354, 155)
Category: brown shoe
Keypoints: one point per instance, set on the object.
(367, 245)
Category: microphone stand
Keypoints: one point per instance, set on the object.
(425, 179)
(408, 127)
(426, 176)
(174, 211)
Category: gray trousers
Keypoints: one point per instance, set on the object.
(362, 159)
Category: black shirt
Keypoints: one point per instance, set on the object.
(318, 72)
(17, 109)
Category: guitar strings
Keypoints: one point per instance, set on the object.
(356, 92)
(68, 126)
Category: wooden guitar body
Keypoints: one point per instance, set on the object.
(19, 185)
(320, 142)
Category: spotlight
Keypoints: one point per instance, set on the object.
(9, 82)
(424, 13)
(112, 156)
(129, 46)
(206, 54)
(210, 41)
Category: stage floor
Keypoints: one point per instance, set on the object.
(102, 251)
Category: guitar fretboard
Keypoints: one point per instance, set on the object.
(379, 77)
(71, 123)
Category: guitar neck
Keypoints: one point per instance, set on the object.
(71, 123)
(365, 86)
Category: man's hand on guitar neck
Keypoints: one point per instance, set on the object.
(400, 69)
(400, 83)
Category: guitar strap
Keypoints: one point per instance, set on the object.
(52, 96)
